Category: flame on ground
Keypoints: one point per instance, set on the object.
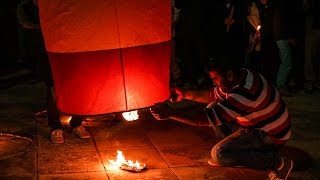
(131, 115)
(122, 163)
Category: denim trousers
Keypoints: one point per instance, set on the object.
(251, 148)
(54, 114)
(285, 67)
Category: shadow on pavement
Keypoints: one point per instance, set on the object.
(302, 160)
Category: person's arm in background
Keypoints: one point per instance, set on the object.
(254, 20)
(253, 16)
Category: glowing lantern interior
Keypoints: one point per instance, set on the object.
(107, 55)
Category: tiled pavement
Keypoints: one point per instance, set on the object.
(171, 150)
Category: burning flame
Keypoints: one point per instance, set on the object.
(131, 115)
(258, 28)
(122, 163)
(65, 119)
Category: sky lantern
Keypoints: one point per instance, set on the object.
(107, 55)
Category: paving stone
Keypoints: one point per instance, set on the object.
(303, 133)
(306, 156)
(12, 145)
(304, 103)
(23, 165)
(121, 137)
(207, 135)
(301, 176)
(148, 123)
(207, 172)
(103, 124)
(22, 177)
(175, 137)
(75, 176)
(160, 144)
(149, 174)
(253, 174)
(148, 156)
(69, 162)
(186, 156)
(117, 129)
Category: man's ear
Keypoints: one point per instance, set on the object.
(230, 75)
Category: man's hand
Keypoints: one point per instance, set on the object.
(177, 94)
(292, 41)
(229, 21)
(161, 111)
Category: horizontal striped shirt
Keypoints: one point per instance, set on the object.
(253, 103)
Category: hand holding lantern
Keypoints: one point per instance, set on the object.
(161, 111)
(177, 94)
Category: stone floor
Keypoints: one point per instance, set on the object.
(170, 149)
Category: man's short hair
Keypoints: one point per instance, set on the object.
(223, 65)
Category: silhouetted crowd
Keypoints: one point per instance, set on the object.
(276, 38)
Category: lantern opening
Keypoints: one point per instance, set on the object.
(131, 115)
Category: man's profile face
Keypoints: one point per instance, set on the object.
(221, 81)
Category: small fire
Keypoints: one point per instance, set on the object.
(258, 28)
(131, 115)
(124, 164)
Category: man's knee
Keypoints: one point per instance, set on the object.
(218, 153)
(224, 156)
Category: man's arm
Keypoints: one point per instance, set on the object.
(254, 16)
(202, 96)
(194, 115)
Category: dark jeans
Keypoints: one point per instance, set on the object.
(38, 52)
(250, 148)
(54, 114)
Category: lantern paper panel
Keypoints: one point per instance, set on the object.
(107, 56)
(91, 25)
(92, 83)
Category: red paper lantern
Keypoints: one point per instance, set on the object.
(107, 55)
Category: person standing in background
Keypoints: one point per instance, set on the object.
(284, 34)
(312, 48)
(27, 13)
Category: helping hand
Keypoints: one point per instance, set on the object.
(177, 95)
(229, 21)
(161, 111)
(292, 41)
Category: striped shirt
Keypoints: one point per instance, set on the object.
(253, 103)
